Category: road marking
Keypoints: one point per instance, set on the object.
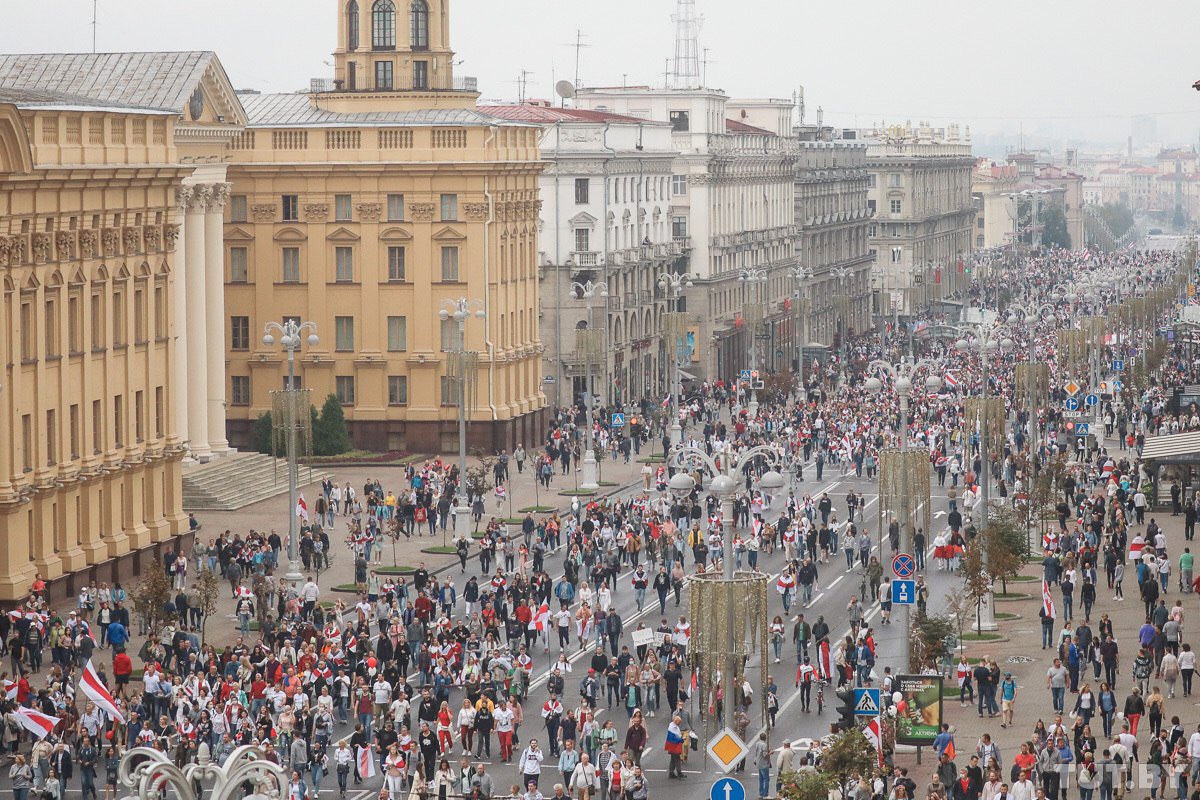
(834, 582)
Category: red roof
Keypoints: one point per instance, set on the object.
(527, 112)
(733, 126)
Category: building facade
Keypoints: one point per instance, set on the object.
(366, 209)
(924, 216)
(90, 448)
(733, 198)
(605, 218)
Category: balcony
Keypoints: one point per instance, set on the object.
(586, 258)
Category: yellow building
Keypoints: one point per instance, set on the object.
(364, 209)
(89, 450)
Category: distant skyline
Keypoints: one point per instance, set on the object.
(1069, 71)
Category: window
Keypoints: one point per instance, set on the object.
(678, 227)
(581, 240)
(344, 261)
(97, 321)
(343, 334)
(291, 207)
(397, 333)
(871, 206)
(871, 181)
(449, 208)
(119, 421)
(420, 25)
(581, 190)
(160, 411)
(449, 335)
(97, 427)
(28, 332)
(979, 240)
(384, 76)
(237, 208)
(139, 315)
(895, 180)
(680, 122)
(297, 383)
(27, 442)
(238, 269)
(239, 390)
(345, 389)
(897, 254)
(397, 390)
(118, 318)
(450, 264)
(395, 208)
(396, 258)
(74, 432)
(979, 223)
(52, 328)
(450, 391)
(420, 74)
(679, 185)
(139, 417)
(894, 205)
(74, 324)
(52, 437)
(291, 265)
(383, 25)
(239, 333)
(341, 208)
(352, 25)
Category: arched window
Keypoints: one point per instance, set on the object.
(420, 25)
(352, 25)
(383, 25)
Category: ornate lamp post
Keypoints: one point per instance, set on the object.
(589, 344)
(675, 328)
(290, 399)
(463, 366)
(800, 276)
(754, 278)
(842, 273)
(901, 376)
(1034, 372)
(723, 466)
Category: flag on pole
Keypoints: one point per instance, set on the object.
(10, 689)
(302, 508)
(1047, 600)
(92, 686)
(541, 619)
(39, 724)
(366, 764)
(873, 734)
(950, 381)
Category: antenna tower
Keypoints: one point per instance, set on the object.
(685, 72)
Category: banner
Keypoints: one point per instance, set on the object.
(919, 715)
(643, 637)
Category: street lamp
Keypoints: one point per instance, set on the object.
(290, 338)
(459, 310)
(842, 273)
(591, 468)
(753, 277)
(674, 284)
(800, 277)
(723, 465)
(1018, 315)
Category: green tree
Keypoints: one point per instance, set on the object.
(1118, 218)
(1054, 226)
(1007, 543)
(928, 640)
(330, 436)
(264, 434)
(805, 784)
(976, 581)
(151, 596)
(850, 753)
(208, 591)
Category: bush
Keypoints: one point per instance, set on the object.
(805, 785)
(330, 435)
(264, 434)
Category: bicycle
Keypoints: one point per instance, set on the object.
(820, 696)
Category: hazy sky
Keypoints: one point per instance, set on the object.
(1061, 68)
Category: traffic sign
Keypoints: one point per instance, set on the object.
(1072, 404)
(618, 420)
(744, 375)
(727, 789)
(1072, 414)
(1071, 387)
(726, 749)
(1083, 429)
(866, 702)
(1117, 386)
(903, 565)
(1118, 364)
(1091, 399)
(904, 593)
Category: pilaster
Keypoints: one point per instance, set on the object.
(195, 200)
(214, 308)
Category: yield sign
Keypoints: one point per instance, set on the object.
(1071, 388)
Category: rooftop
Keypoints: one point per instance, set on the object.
(299, 110)
(734, 126)
(545, 114)
(59, 101)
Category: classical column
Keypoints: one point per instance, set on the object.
(196, 379)
(179, 392)
(214, 308)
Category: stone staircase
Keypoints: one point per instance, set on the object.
(237, 480)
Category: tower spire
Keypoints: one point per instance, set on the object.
(685, 68)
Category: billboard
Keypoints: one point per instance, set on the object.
(919, 713)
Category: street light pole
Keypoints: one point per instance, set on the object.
(841, 273)
(754, 277)
(591, 469)
(459, 310)
(800, 276)
(674, 284)
(290, 337)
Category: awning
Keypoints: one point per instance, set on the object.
(1175, 448)
(687, 374)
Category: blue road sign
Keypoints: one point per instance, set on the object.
(1118, 364)
(727, 789)
(745, 375)
(1083, 429)
(904, 593)
(1072, 404)
(1117, 386)
(866, 702)
(903, 565)
(1091, 399)
(618, 420)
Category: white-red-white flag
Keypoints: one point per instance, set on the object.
(366, 764)
(39, 724)
(1047, 600)
(10, 689)
(94, 688)
(302, 508)
(541, 619)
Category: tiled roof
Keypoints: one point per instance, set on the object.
(298, 110)
(733, 126)
(144, 80)
(526, 112)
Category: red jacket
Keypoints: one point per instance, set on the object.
(122, 664)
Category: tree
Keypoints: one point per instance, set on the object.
(208, 591)
(976, 581)
(777, 386)
(806, 784)
(849, 753)
(1007, 543)
(1117, 217)
(1054, 226)
(151, 597)
(478, 480)
(264, 434)
(928, 640)
(330, 436)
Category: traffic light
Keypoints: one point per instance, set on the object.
(845, 708)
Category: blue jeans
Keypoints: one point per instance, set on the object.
(764, 782)
(1057, 695)
(365, 721)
